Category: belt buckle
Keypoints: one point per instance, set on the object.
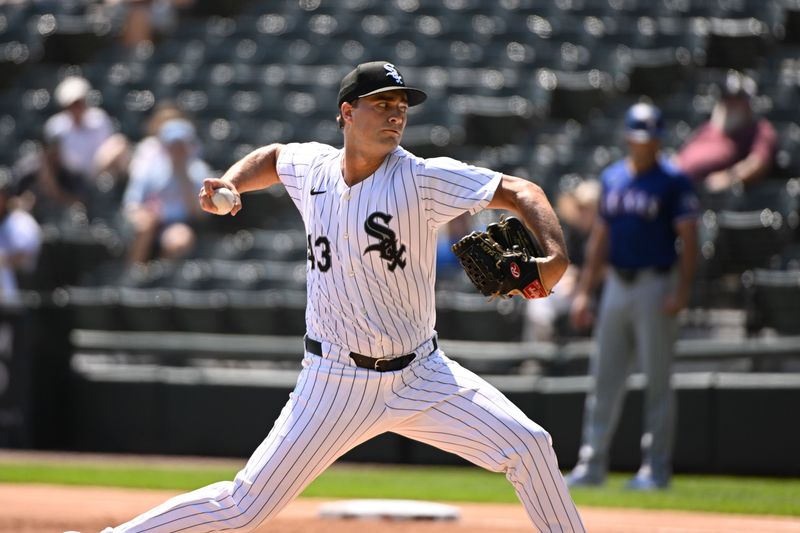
(376, 366)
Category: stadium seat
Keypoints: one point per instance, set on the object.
(654, 72)
(200, 311)
(94, 307)
(152, 274)
(740, 240)
(204, 8)
(72, 39)
(773, 300)
(470, 316)
(574, 94)
(493, 121)
(787, 159)
(193, 274)
(146, 309)
(791, 22)
(257, 313)
(735, 43)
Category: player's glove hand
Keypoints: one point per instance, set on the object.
(501, 261)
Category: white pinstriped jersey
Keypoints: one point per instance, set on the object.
(372, 247)
(368, 245)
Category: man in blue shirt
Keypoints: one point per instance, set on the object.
(645, 207)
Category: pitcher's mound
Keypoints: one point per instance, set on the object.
(389, 510)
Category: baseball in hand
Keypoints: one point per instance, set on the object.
(223, 200)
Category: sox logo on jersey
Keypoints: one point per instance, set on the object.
(387, 247)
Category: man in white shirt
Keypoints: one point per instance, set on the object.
(73, 137)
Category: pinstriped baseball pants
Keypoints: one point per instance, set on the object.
(335, 406)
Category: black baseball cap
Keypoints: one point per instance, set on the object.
(373, 78)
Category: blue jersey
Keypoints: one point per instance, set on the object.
(641, 212)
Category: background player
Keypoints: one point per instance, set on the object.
(645, 205)
(372, 364)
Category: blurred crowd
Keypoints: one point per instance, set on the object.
(146, 187)
(734, 148)
(151, 182)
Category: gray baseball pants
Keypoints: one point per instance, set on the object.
(631, 324)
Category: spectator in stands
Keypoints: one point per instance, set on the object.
(161, 199)
(645, 206)
(112, 164)
(546, 319)
(74, 139)
(150, 147)
(143, 20)
(734, 146)
(20, 242)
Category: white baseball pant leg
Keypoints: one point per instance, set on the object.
(335, 407)
(441, 403)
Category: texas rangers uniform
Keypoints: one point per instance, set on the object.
(640, 213)
(371, 271)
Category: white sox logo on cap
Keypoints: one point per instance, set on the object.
(391, 70)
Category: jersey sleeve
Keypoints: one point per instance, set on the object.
(449, 188)
(685, 201)
(293, 164)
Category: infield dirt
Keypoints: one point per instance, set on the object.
(46, 509)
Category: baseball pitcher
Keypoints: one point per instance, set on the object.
(372, 362)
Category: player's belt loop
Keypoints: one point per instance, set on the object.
(378, 364)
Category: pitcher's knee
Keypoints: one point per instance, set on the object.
(532, 442)
(535, 436)
(240, 510)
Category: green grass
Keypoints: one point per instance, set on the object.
(691, 493)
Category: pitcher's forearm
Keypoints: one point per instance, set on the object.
(256, 171)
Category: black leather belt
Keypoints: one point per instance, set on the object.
(629, 275)
(373, 363)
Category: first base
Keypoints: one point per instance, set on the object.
(389, 510)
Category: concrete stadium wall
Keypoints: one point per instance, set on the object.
(160, 402)
(727, 423)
